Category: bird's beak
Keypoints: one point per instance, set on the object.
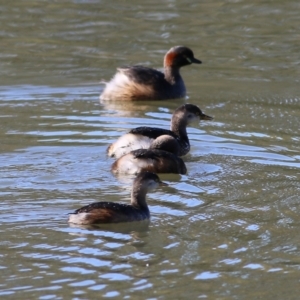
(196, 61)
(205, 117)
(161, 183)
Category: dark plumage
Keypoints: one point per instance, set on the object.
(152, 132)
(109, 212)
(143, 75)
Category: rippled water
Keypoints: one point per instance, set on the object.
(228, 229)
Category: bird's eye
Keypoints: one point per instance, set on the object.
(188, 59)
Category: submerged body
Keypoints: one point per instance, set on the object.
(144, 137)
(143, 83)
(110, 212)
(152, 160)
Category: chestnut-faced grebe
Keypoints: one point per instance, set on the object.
(110, 212)
(142, 83)
(142, 137)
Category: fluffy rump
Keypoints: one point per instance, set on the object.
(129, 164)
(123, 88)
(127, 143)
(81, 218)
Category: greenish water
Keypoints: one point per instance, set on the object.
(229, 229)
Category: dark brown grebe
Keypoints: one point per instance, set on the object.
(143, 137)
(142, 83)
(158, 161)
(161, 157)
(110, 212)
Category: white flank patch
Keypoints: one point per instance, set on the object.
(127, 164)
(116, 86)
(127, 143)
(80, 218)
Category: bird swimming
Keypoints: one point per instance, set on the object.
(143, 83)
(143, 137)
(110, 212)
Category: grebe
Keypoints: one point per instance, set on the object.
(110, 212)
(143, 137)
(143, 83)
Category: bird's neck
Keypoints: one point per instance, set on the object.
(178, 126)
(172, 74)
(138, 198)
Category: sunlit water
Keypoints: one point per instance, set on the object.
(229, 229)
